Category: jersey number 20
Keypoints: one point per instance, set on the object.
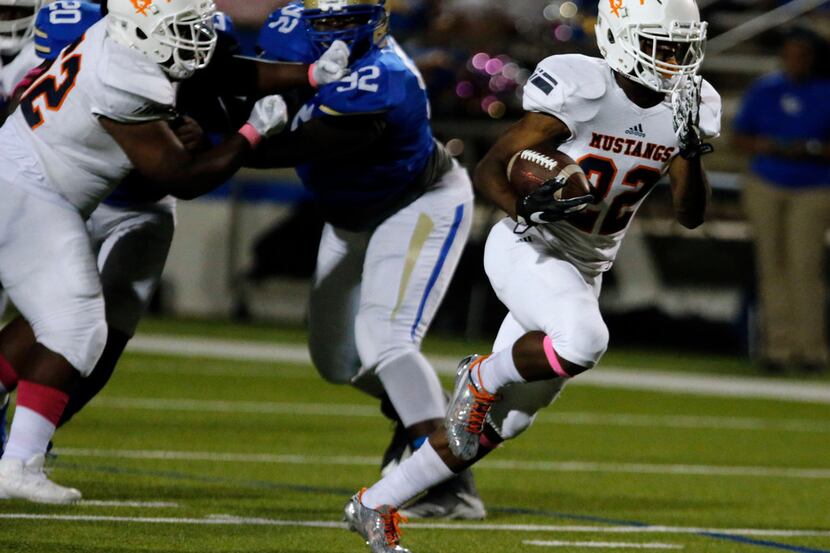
(47, 87)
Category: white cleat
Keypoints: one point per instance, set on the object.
(19, 480)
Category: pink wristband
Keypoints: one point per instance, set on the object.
(311, 80)
(250, 134)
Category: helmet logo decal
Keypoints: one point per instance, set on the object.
(141, 6)
(616, 5)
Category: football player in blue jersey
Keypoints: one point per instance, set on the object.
(397, 209)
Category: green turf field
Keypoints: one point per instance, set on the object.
(220, 455)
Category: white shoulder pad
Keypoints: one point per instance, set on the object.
(567, 87)
(134, 73)
(711, 110)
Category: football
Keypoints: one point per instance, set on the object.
(531, 168)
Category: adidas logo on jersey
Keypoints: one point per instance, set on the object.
(637, 130)
(525, 239)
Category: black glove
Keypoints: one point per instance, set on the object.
(540, 207)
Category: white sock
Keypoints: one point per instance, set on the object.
(417, 474)
(30, 435)
(497, 371)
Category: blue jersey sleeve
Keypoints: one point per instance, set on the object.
(61, 23)
(369, 89)
(284, 37)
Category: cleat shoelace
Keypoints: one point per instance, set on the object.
(392, 526)
(480, 408)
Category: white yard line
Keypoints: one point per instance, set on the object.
(138, 504)
(371, 411)
(497, 464)
(606, 377)
(602, 544)
(227, 520)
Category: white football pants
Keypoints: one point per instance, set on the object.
(48, 270)
(374, 293)
(542, 293)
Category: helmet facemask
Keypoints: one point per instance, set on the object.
(359, 25)
(17, 24)
(664, 58)
(191, 40)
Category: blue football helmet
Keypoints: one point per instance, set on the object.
(361, 24)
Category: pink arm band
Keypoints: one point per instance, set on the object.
(250, 134)
(311, 80)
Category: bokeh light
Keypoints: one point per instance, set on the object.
(455, 146)
(494, 66)
(480, 61)
(568, 10)
(563, 33)
(465, 89)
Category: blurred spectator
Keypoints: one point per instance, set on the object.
(784, 125)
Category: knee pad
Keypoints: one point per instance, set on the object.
(337, 363)
(520, 403)
(582, 341)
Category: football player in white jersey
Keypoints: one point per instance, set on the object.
(17, 57)
(98, 112)
(628, 119)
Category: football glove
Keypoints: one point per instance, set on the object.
(540, 207)
(332, 66)
(685, 101)
(269, 116)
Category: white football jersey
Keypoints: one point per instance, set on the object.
(54, 142)
(15, 70)
(624, 150)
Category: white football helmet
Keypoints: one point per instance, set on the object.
(17, 24)
(177, 34)
(632, 34)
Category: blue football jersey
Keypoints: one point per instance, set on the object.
(384, 81)
(61, 23)
(283, 37)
